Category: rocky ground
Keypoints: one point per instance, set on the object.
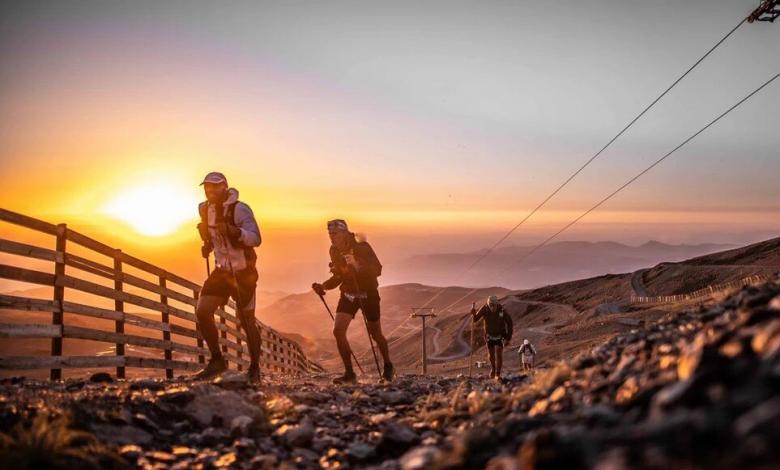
(695, 389)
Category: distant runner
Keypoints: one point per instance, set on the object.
(498, 332)
(527, 354)
(354, 267)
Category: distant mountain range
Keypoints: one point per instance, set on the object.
(555, 263)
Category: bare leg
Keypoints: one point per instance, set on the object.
(243, 292)
(247, 318)
(340, 333)
(207, 304)
(375, 330)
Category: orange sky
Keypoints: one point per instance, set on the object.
(429, 132)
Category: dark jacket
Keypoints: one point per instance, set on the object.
(498, 323)
(343, 276)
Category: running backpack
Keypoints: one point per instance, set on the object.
(249, 252)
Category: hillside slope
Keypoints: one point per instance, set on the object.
(696, 273)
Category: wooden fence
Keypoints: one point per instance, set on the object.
(701, 292)
(279, 354)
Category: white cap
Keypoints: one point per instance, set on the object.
(337, 225)
(214, 177)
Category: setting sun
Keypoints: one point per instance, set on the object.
(154, 210)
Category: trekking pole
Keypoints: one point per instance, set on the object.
(471, 353)
(370, 341)
(208, 267)
(334, 320)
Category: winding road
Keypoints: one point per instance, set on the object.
(637, 283)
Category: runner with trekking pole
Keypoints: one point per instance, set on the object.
(498, 332)
(228, 227)
(354, 269)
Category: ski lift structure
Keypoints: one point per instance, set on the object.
(768, 10)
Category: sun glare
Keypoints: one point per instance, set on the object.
(154, 210)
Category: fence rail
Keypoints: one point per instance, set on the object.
(701, 292)
(278, 354)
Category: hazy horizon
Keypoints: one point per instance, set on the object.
(290, 265)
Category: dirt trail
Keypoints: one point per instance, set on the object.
(638, 284)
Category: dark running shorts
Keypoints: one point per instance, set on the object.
(492, 343)
(220, 284)
(370, 306)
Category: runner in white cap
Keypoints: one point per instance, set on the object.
(228, 227)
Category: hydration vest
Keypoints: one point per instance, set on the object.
(203, 210)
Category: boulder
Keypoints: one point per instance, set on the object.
(212, 405)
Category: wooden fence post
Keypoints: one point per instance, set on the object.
(198, 340)
(263, 363)
(223, 334)
(238, 342)
(119, 306)
(59, 297)
(166, 326)
(240, 351)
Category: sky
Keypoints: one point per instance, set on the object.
(430, 126)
